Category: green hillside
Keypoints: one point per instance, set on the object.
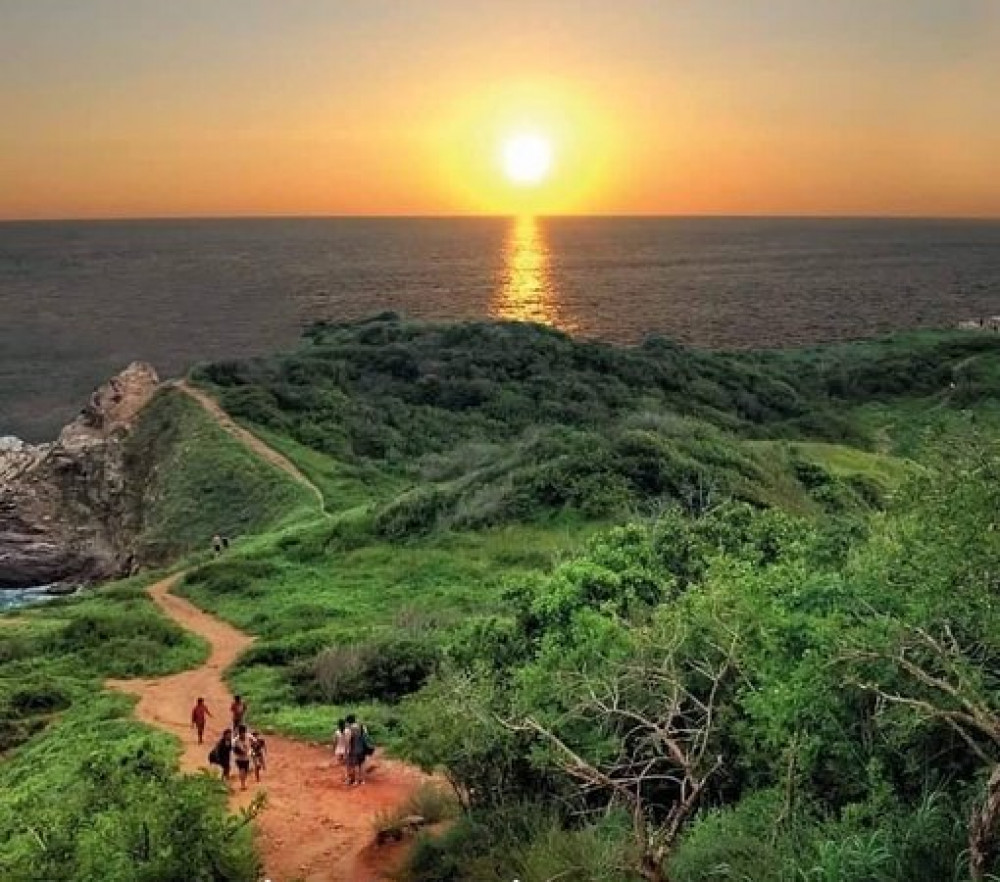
(197, 480)
(584, 582)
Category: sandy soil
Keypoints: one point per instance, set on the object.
(314, 828)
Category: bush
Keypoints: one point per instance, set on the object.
(430, 802)
(38, 698)
(413, 514)
(384, 670)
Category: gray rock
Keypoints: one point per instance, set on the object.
(64, 515)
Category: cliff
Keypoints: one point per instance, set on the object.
(64, 515)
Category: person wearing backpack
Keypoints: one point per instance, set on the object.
(222, 754)
(355, 755)
(367, 743)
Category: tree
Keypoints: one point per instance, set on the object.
(658, 715)
(942, 680)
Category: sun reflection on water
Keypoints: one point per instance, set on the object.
(525, 292)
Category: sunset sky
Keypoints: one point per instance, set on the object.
(232, 107)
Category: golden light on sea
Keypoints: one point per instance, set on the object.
(526, 291)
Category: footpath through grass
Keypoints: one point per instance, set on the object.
(371, 596)
(86, 792)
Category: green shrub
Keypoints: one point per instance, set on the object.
(413, 514)
(43, 697)
(385, 670)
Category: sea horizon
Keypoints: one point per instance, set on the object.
(153, 218)
(82, 298)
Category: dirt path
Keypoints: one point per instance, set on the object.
(314, 828)
(248, 438)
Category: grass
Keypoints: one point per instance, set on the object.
(431, 802)
(298, 608)
(198, 481)
(63, 739)
(344, 486)
(887, 471)
(908, 428)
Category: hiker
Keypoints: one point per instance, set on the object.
(238, 709)
(217, 544)
(222, 754)
(359, 747)
(199, 716)
(258, 754)
(341, 738)
(367, 745)
(225, 543)
(241, 753)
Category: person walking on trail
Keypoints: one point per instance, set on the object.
(238, 709)
(241, 753)
(221, 755)
(367, 749)
(258, 754)
(199, 716)
(217, 545)
(341, 739)
(357, 750)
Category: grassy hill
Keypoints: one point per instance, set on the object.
(518, 522)
(195, 480)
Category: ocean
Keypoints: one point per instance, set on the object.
(79, 300)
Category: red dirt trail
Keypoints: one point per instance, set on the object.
(313, 828)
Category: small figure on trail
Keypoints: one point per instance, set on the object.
(241, 753)
(225, 543)
(199, 716)
(217, 544)
(221, 755)
(359, 748)
(367, 744)
(341, 739)
(258, 754)
(238, 709)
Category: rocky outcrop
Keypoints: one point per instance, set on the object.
(64, 516)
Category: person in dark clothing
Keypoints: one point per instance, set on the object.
(222, 754)
(357, 751)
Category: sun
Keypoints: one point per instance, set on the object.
(527, 158)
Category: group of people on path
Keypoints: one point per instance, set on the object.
(239, 744)
(352, 745)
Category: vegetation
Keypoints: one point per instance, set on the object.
(198, 481)
(87, 794)
(653, 613)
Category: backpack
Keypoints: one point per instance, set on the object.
(367, 744)
(213, 756)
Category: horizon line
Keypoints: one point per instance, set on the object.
(115, 218)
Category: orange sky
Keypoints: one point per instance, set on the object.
(228, 107)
